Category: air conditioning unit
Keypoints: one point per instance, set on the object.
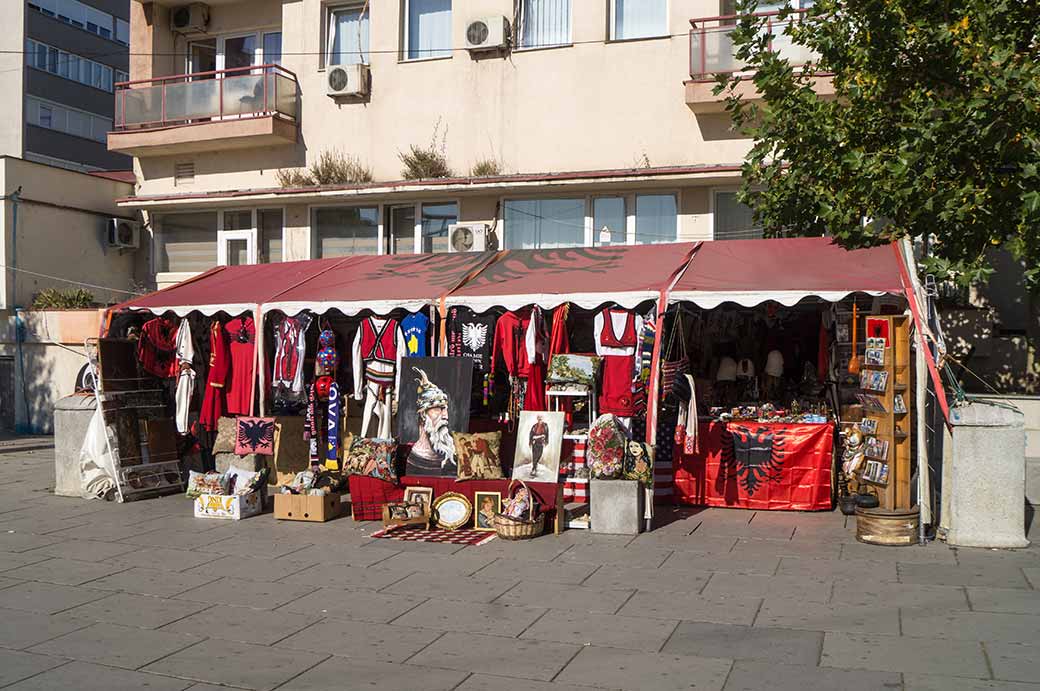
(487, 33)
(189, 19)
(471, 237)
(123, 234)
(347, 80)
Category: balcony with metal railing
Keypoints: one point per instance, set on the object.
(206, 111)
(712, 52)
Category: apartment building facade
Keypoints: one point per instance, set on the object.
(591, 114)
(62, 59)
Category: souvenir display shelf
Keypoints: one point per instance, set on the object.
(892, 425)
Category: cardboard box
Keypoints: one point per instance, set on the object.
(306, 507)
(231, 507)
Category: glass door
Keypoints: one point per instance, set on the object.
(401, 238)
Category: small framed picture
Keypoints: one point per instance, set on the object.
(486, 505)
(841, 333)
(876, 343)
(875, 472)
(868, 425)
(874, 356)
(419, 495)
(898, 404)
(876, 448)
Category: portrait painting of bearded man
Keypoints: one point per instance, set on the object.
(433, 404)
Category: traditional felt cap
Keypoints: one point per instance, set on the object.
(430, 395)
(727, 370)
(775, 363)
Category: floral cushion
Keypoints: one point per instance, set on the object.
(605, 453)
(477, 455)
(373, 458)
(639, 463)
(205, 483)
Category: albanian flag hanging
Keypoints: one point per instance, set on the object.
(754, 465)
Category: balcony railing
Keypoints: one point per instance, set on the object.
(712, 50)
(237, 93)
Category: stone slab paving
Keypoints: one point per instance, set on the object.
(107, 596)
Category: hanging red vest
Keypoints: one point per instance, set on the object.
(381, 346)
(628, 335)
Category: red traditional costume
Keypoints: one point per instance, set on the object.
(379, 345)
(157, 348)
(216, 378)
(616, 339)
(241, 338)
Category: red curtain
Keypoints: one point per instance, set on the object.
(753, 465)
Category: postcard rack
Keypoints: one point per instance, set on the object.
(885, 395)
(139, 434)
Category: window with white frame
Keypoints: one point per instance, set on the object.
(544, 223)
(427, 29)
(732, 219)
(186, 242)
(72, 121)
(347, 37)
(69, 66)
(638, 19)
(342, 231)
(544, 23)
(656, 218)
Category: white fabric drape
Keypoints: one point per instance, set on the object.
(640, 18)
(429, 28)
(545, 23)
(348, 37)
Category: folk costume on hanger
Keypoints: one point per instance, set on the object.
(241, 338)
(216, 378)
(185, 377)
(290, 350)
(617, 335)
(378, 348)
(157, 347)
(521, 344)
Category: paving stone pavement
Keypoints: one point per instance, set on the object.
(106, 596)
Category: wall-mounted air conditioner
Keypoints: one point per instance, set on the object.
(471, 237)
(189, 19)
(123, 234)
(487, 33)
(347, 80)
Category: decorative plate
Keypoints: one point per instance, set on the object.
(452, 510)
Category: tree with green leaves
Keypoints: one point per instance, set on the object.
(933, 129)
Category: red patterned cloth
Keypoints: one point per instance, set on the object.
(754, 465)
(157, 347)
(368, 494)
(575, 482)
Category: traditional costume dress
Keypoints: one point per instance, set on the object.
(241, 336)
(185, 376)
(616, 339)
(522, 343)
(157, 347)
(290, 338)
(216, 378)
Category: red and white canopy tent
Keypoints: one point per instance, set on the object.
(708, 274)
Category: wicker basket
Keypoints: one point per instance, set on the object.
(509, 528)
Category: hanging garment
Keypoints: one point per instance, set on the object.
(185, 377)
(378, 348)
(510, 344)
(332, 429)
(415, 328)
(559, 344)
(616, 339)
(470, 335)
(241, 338)
(537, 346)
(157, 347)
(216, 378)
(290, 350)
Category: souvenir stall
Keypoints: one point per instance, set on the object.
(764, 373)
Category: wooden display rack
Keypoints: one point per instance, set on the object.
(893, 427)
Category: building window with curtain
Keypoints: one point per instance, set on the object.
(544, 23)
(657, 218)
(631, 19)
(427, 29)
(544, 223)
(733, 220)
(609, 224)
(339, 232)
(348, 35)
(186, 243)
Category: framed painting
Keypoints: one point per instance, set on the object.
(539, 440)
(433, 402)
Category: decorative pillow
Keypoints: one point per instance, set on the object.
(605, 453)
(374, 458)
(639, 463)
(477, 455)
(205, 483)
(227, 430)
(240, 480)
(254, 435)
